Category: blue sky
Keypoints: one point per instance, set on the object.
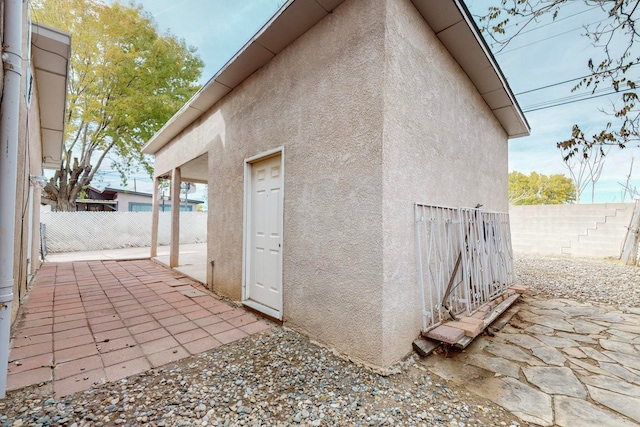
(218, 29)
(549, 53)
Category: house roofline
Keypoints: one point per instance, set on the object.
(496, 66)
(51, 51)
(133, 193)
(296, 17)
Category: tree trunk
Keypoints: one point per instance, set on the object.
(65, 205)
(62, 198)
(630, 246)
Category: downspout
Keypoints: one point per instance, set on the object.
(9, 128)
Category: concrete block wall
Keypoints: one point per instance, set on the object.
(581, 230)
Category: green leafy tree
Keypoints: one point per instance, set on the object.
(539, 189)
(614, 38)
(126, 80)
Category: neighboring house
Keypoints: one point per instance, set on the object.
(119, 200)
(316, 140)
(34, 90)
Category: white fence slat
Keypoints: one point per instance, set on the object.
(91, 231)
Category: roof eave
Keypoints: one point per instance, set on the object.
(295, 17)
(51, 50)
(455, 28)
(292, 20)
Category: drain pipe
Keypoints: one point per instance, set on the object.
(9, 128)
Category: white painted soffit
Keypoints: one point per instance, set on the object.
(456, 29)
(50, 52)
(295, 17)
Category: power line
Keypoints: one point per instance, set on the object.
(571, 101)
(537, 27)
(575, 97)
(570, 80)
(555, 20)
(545, 39)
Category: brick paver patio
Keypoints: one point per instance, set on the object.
(105, 320)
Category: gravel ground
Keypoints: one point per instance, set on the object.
(277, 378)
(281, 378)
(593, 280)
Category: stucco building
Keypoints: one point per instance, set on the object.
(33, 107)
(317, 139)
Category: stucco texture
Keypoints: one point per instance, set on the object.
(373, 115)
(442, 146)
(321, 100)
(26, 254)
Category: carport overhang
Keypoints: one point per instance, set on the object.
(195, 170)
(449, 19)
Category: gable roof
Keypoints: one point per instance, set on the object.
(449, 19)
(51, 50)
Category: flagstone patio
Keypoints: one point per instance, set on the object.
(87, 322)
(557, 362)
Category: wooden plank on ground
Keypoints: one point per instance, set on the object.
(463, 342)
(493, 315)
(504, 319)
(499, 309)
(425, 347)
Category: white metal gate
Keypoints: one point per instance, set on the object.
(465, 261)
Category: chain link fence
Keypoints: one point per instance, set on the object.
(91, 231)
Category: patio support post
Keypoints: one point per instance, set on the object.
(155, 215)
(9, 138)
(174, 249)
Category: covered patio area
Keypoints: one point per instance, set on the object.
(193, 258)
(94, 321)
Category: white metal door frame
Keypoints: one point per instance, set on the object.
(246, 249)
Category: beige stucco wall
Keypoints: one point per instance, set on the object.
(35, 169)
(321, 99)
(29, 163)
(373, 115)
(442, 145)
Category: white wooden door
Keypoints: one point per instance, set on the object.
(265, 235)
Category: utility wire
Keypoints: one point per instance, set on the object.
(545, 39)
(572, 101)
(537, 27)
(552, 22)
(570, 80)
(577, 96)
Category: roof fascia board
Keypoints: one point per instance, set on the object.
(46, 66)
(447, 17)
(165, 134)
(116, 191)
(466, 15)
(214, 89)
